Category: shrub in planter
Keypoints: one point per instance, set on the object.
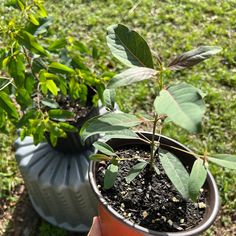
(47, 85)
(148, 183)
(48, 89)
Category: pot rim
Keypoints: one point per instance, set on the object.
(194, 231)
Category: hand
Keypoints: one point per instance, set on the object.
(95, 228)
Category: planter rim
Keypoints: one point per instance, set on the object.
(194, 231)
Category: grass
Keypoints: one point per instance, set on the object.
(170, 27)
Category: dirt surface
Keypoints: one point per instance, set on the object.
(151, 200)
(18, 218)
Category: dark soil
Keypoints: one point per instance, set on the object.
(150, 200)
(74, 106)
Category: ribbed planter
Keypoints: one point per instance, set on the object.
(57, 184)
(57, 180)
(114, 224)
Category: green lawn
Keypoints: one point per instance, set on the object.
(170, 27)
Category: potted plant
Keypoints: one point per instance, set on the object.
(146, 183)
(48, 89)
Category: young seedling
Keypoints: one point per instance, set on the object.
(180, 103)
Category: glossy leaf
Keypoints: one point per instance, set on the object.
(60, 115)
(53, 139)
(23, 98)
(57, 44)
(60, 68)
(44, 25)
(67, 127)
(2, 118)
(99, 157)
(107, 123)
(33, 19)
(104, 148)
(110, 176)
(197, 178)
(110, 122)
(175, 171)
(135, 171)
(130, 76)
(16, 68)
(7, 105)
(121, 134)
(29, 41)
(109, 98)
(30, 114)
(42, 10)
(224, 160)
(49, 103)
(128, 46)
(52, 87)
(193, 57)
(183, 105)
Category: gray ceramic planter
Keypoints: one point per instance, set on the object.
(58, 184)
(110, 219)
(57, 180)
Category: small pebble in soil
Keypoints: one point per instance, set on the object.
(170, 222)
(201, 205)
(145, 214)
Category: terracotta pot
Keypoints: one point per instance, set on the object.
(113, 224)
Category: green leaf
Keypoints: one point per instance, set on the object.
(57, 44)
(175, 171)
(49, 103)
(23, 98)
(53, 139)
(30, 83)
(107, 123)
(128, 46)
(16, 69)
(38, 135)
(104, 148)
(44, 25)
(30, 114)
(33, 20)
(135, 171)
(183, 105)
(52, 87)
(193, 57)
(197, 178)
(29, 41)
(67, 127)
(130, 76)
(21, 5)
(2, 118)
(60, 68)
(99, 157)
(109, 98)
(42, 10)
(110, 176)
(121, 134)
(7, 105)
(60, 115)
(225, 160)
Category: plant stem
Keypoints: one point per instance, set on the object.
(35, 77)
(10, 82)
(156, 118)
